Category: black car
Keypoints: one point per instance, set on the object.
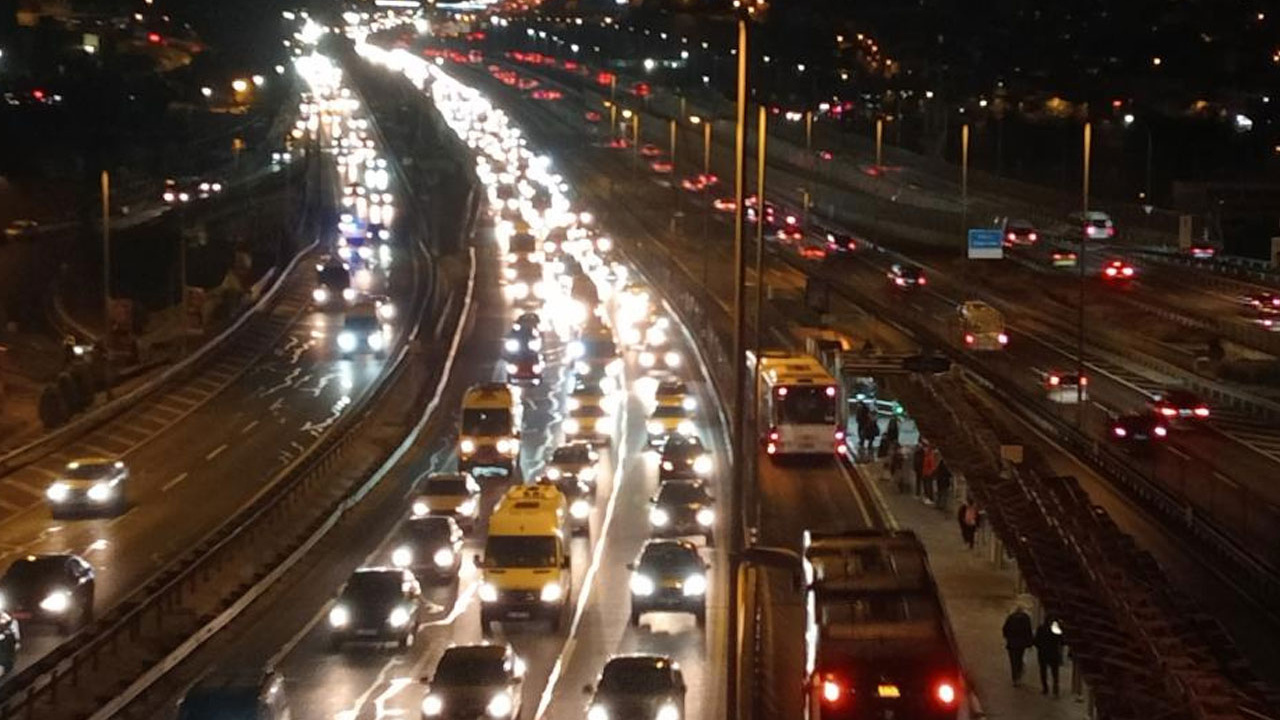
(904, 276)
(839, 242)
(683, 508)
(638, 686)
(1138, 428)
(430, 546)
(522, 338)
(55, 588)
(475, 681)
(10, 643)
(684, 456)
(524, 368)
(378, 604)
(333, 286)
(1019, 232)
(237, 693)
(575, 461)
(669, 576)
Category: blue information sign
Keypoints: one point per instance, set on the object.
(986, 244)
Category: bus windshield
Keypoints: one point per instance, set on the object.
(805, 406)
(487, 421)
(520, 551)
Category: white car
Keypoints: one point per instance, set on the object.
(1066, 387)
(1095, 225)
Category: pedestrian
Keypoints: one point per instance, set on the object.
(929, 470)
(868, 433)
(891, 431)
(917, 465)
(1049, 643)
(942, 478)
(1017, 638)
(862, 416)
(968, 518)
(898, 469)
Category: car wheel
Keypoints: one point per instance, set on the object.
(406, 640)
(486, 625)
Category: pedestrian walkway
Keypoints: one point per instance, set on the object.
(979, 591)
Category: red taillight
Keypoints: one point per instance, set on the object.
(922, 281)
(831, 391)
(773, 434)
(968, 339)
(831, 691)
(1033, 237)
(1084, 380)
(946, 693)
(1119, 431)
(1201, 412)
(1111, 272)
(1111, 231)
(1002, 339)
(1011, 237)
(771, 448)
(1168, 411)
(900, 281)
(1054, 380)
(1127, 271)
(153, 37)
(839, 435)
(782, 392)
(1160, 431)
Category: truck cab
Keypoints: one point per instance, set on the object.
(489, 435)
(525, 572)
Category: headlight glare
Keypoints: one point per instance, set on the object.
(443, 557)
(488, 593)
(659, 517)
(695, 585)
(641, 585)
(551, 592)
(339, 616)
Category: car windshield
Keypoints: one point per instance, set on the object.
(360, 322)
(488, 421)
(668, 389)
(670, 556)
(38, 571)
(909, 271)
(220, 704)
(88, 471)
(446, 486)
(1019, 226)
(520, 551)
(599, 349)
(669, 411)
(470, 667)
(806, 406)
(373, 586)
(431, 530)
(678, 493)
(571, 455)
(334, 276)
(635, 678)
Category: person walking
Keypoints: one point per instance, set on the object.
(969, 519)
(890, 432)
(1017, 638)
(898, 469)
(1049, 643)
(917, 465)
(869, 433)
(929, 469)
(943, 481)
(862, 417)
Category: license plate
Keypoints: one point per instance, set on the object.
(367, 632)
(888, 691)
(519, 614)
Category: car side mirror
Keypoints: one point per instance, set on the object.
(631, 566)
(588, 690)
(425, 679)
(478, 559)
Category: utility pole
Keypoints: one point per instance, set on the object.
(106, 278)
(1084, 206)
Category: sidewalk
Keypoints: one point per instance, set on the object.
(978, 594)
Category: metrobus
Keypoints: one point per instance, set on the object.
(799, 410)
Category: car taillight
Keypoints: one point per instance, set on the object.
(921, 281)
(1111, 272)
(1054, 380)
(1084, 380)
(1201, 412)
(1002, 339)
(832, 693)
(839, 435)
(1119, 431)
(1168, 411)
(946, 693)
(1111, 231)
(1127, 271)
(773, 434)
(1160, 431)
(968, 339)
(1033, 237)
(900, 281)
(771, 448)
(1011, 237)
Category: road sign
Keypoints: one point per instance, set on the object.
(986, 244)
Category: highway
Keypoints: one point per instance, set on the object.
(203, 449)
(1219, 469)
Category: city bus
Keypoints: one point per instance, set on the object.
(799, 410)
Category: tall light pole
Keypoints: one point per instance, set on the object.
(106, 277)
(706, 141)
(761, 150)
(964, 176)
(1084, 207)
(738, 361)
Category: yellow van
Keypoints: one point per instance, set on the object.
(488, 436)
(525, 572)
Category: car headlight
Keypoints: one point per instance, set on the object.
(598, 712)
(339, 616)
(553, 473)
(511, 345)
(581, 367)
(512, 368)
(398, 618)
(647, 359)
(467, 507)
(58, 492)
(500, 705)
(467, 446)
(641, 585)
(402, 556)
(672, 358)
(654, 427)
(488, 593)
(614, 367)
(507, 446)
(376, 341)
(346, 341)
(420, 508)
(56, 602)
(659, 517)
(320, 295)
(689, 404)
(365, 252)
(551, 592)
(580, 509)
(443, 557)
(432, 705)
(349, 294)
(702, 465)
(587, 474)
(576, 350)
(668, 465)
(572, 426)
(686, 427)
(387, 311)
(706, 517)
(667, 712)
(535, 345)
(519, 290)
(695, 585)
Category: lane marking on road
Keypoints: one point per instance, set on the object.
(848, 476)
(1179, 453)
(249, 427)
(176, 479)
(216, 452)
(354, 711)
(597, 554)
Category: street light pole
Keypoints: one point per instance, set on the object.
(879, 142)
(1084, 206)
(739, 376)
(964, 176)
(106, 278)
(808, 133)
(761, 150)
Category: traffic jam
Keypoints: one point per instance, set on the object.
(588, 337)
